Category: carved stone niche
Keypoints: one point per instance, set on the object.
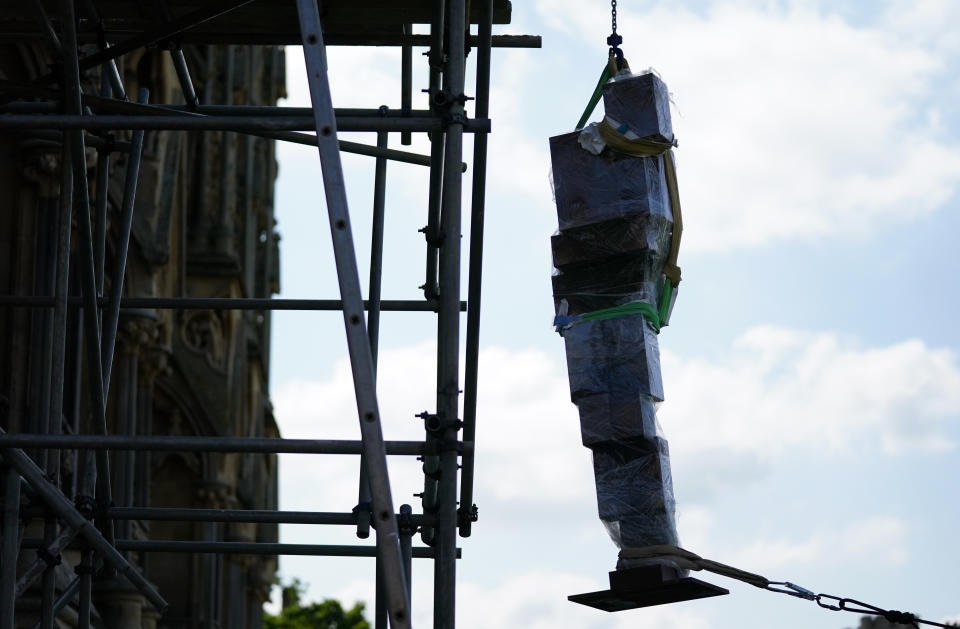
(138, 332)
(206, 363)
(216, 494)
(203, 332)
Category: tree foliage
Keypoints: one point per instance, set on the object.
(878, 622)
(328, 614)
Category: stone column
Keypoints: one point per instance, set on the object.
(137, 332)
(212, 494)
(259, 584)
(119, 603)
(39, 185)
(154, 362)
(149, 617)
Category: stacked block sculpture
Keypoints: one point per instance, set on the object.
(615, 233)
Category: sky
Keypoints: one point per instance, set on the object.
(811, 370)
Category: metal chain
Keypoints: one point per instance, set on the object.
(691, 561)
(614, 40)
(850, 605)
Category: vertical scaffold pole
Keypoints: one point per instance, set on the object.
(358, 344)
(85, 571)
(72, 105)
(478, 189)
(434, 194)
(111, 317)
(9, 544)
(373, 312)
(448, 328)
(373, 332)
(406, 80)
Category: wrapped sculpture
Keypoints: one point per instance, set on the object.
(614, 286)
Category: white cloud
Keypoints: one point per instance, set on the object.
(924, 22)
(536, 600)
(881, 539)
(528, 429)
(694, 523)
(349, 67)
(517, 163)
(357, 591)
(794, 124)
(376, 69)
(776, 390)
(779, 389)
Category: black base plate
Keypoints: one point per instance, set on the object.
(646, 586)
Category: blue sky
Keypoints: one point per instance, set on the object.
(811, 370)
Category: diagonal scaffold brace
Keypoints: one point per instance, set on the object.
(358, 343)
(62, 508)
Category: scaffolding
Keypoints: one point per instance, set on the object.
(92, 517)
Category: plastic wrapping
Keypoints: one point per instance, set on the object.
(608, 418)
(618, 355)
(590, 139)
(594, 188)
(642, 103)
(602, 286)
(582, 301)
(635, 493)
(615, 234)
(646, 236)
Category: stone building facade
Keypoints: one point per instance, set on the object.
(203, 227)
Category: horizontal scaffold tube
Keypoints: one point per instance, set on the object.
(245, 548)
(112, 106)
(242, 515)
(225, 303)
(227, 123)
(102, 105)
(182, 443)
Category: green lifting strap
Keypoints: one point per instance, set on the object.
(637, 307)
(666, 296)
(595, 97)
(654, 315)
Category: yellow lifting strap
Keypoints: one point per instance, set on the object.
(645, 147)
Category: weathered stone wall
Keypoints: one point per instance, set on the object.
(204, 226)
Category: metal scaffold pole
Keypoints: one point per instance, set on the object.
(478, 191)
(448, 333)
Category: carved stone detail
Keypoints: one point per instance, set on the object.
(136, 334)
(203, 225)
(42, 168)
(216, 495)
(155, 362)
(203, 333)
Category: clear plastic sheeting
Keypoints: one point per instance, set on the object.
(615, 235)
(609, 418)
(618, 356)
(635, 493)
(593, 188)
(641, 103)
(611, 263)
(581, 297)
(644, 236)
(591, 140)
